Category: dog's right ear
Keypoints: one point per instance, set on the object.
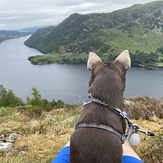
(93, 59)
(124, 59)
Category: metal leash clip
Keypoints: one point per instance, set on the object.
(136, 129)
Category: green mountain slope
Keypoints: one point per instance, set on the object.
(137, 28)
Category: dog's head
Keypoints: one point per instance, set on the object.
(108, 78)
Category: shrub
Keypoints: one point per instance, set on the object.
(8, 98)
(7, 111)
(36, 98)
(153, 151)
(144, 107)
(31, 111)
(60, 104)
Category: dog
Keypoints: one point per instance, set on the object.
(96, 138)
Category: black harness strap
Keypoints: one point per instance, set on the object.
(104, 127)
(116, 110)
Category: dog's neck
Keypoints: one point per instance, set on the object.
(111, 98)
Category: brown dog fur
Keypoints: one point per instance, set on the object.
(107, 82)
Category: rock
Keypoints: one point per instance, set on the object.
(5, 146)
(6, 143)
(13, 137)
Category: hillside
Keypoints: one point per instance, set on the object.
(10, 34)
(39, 137)
(137, 28)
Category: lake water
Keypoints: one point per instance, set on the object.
(66, 82)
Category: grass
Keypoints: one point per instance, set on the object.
(43, 136)
(137, 39)
(58, 58)
(159, 64)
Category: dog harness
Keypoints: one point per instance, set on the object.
(123, 114)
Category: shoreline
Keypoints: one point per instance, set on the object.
(153, 67)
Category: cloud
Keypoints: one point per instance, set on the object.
(18, 14)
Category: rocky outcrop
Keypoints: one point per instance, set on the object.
(6, 143)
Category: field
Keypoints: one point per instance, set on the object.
(40, 137)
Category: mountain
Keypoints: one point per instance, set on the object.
(10, 34)
(30, 29)
(138, 28)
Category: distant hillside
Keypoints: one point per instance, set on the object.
(138, 28)
(10, 34)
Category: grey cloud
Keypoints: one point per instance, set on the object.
(18, 14)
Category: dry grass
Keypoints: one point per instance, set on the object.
(43, 137)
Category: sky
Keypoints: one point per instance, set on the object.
(18, 14)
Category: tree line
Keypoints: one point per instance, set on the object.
(9, 99)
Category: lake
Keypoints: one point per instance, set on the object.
(68, 82)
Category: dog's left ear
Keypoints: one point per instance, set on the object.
(93, 59)
(124, 59)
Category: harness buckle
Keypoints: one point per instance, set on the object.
(103, 103)
(123, 114)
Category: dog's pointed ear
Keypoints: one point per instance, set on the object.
(93, 59)
(124, 59)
